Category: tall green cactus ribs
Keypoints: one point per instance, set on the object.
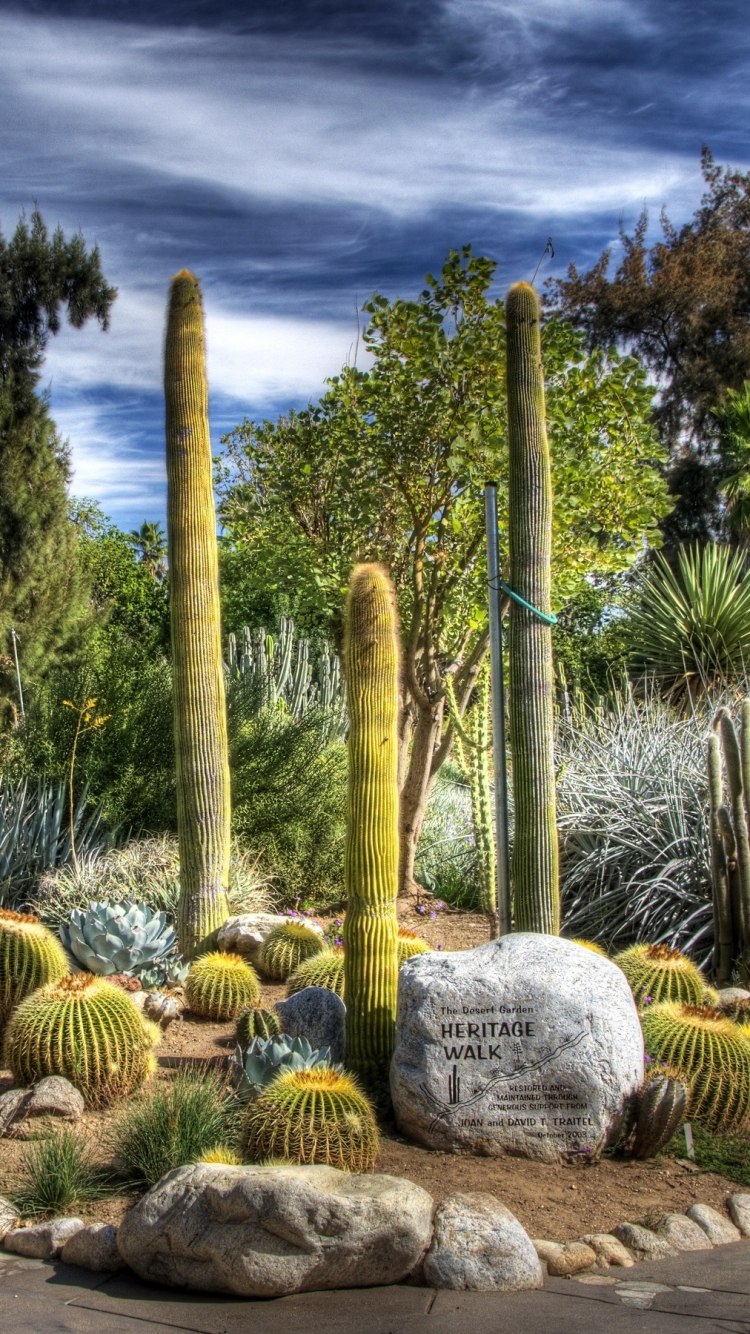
(371, 652)
(535, 855)
(30, 957)
(199, 705)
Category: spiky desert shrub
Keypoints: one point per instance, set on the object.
(220, 985)
(57, 1174)
(659, 973)
(30, 957)
(711, 1052)
(312, 1116)
(286, 947)
(177, 1123)
(86, 1029)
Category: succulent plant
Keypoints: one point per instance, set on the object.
(658, 973)
(267, 1058)
(323, 970)
(30, 957)
(223, 1156)
(590, 945)
(409, 944)
(255, 1022)
(312, 1116)
(286, 947)
(171, 972)
(85, 1029)
(117, 937)
(661, 1106)
(220, 985)
(711, 1052)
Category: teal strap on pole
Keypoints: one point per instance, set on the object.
(548, 620)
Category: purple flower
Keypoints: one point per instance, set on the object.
(337, 940)
(439, 905)
(648, 1058)
(648, 1000)
(586, 1151)
(421, 908)
(433, 916)
(337, 922)
(439, 945)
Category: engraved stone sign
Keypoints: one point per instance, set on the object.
(528, 1045)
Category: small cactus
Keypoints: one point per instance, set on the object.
(661, 1106)
(711, 1052)
(590, 945)
(219, 986)
(30, 957)
(286, 947)
(659, 973)
(409, 943)
(323, 970)
(312, 1116)
(85, 1029)
(221, 1155)
(256, 1023)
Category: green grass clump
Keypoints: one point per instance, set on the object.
(57, 1174)
(727, 1155)
(178, 1123)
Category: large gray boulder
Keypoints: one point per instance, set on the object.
(94, 1248)
(717, 1227)
(317, 1014)
(271, 1231)
(529, 1045)
(480, 1245)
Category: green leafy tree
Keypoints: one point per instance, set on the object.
(40, 591)
(733, 419)
(683, 306)
(390, 466)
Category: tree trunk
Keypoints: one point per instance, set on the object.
(200, 724)
(535, 851)
(416, 789)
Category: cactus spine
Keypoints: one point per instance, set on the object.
(535, 854)
(256, 1023)
(711, 1052)
(722, 906)
(199, 706)
(323, 970)
(220, 986)
(660, 1111)
(730, 844)
(86, 1029)
(286, 947)
(476, 771)
(659, 973)
(371, 655)
(30, 957)
(409, 944)
(312, 1116)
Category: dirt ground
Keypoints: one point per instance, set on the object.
(555, 1202)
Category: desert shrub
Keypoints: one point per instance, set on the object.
(288, 802)
(35, 835)
(632, 818)
(56, 1174)
(144, 871)
(447, 860)
(177, 1123)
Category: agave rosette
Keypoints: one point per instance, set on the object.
(267, 1058)
(118, 937)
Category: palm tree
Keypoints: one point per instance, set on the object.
(151, 544)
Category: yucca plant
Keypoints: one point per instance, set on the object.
(312, 1116)
(35, 835)
(692, 624)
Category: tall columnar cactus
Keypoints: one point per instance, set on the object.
(199, 705)
(371, 656)
(473, 751)
(29, 958)
(730, 843)
(535, 855)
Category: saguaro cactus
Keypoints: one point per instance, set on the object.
(730, 844)
(199, 705)
(535, 855)
(371, 654)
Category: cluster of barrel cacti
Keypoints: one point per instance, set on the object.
(730, 843)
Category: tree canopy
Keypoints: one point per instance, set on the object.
(391, 463)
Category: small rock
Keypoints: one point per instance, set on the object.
(10, 1105)
(717, 1228)
(644, 1243)
(45, 1240)
(739, 1210)
(94, 1248)
(247, 933)
(54, 1096)
(479, 1245)
(683, 1233)
(8, 1216)
(609, 1251)
(563, 1258)
(317, 1014)
(272, 1231)
(161, 1008)
(730, 995)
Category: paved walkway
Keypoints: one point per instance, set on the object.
(706, 1292)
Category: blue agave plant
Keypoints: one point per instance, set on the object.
(267, 1058)
(118, 937)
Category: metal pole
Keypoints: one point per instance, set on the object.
(14, 637)
(498, 711)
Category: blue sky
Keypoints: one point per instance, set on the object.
(298, 156)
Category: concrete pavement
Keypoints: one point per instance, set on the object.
(703, 1292)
